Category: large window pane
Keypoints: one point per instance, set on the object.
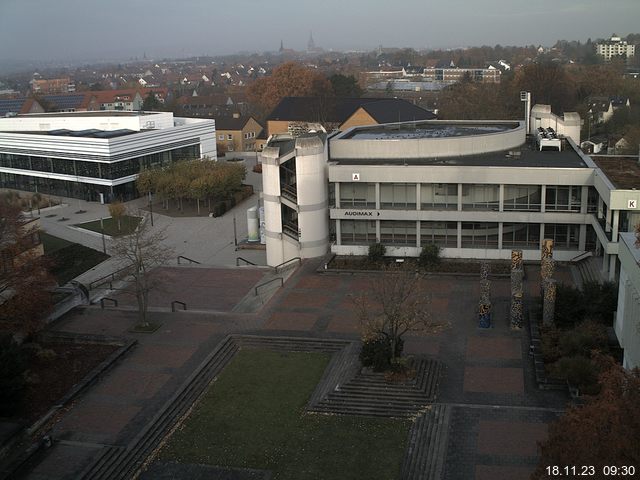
(439, 196)
(564, 236)
(401, 196)
(398, 233)
(524, 235)
(522, 197)
(356, 194)
(480, 197)
(357, 232)
(561, 198)
(479, 235)
(444, 234)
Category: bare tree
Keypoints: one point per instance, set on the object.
(143, 250)
(117, 210)
(396, 303)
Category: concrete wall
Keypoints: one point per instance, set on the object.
(567, 125)
(627, 321)
(55, 121)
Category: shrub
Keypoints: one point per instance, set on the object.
(570, 306)
(579, 371)
(377, 252)
(376, 353)
(600, 301)
(429, 256)
(583, 338)
(13, 365)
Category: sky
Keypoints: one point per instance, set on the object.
(82, 30)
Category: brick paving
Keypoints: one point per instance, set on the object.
(498, 414)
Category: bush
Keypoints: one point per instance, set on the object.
(595, 301)
(376, 353)
(377, 252)
(581, 340)
(13, 366)
(429, 256)
(579, 371)
(570, 306)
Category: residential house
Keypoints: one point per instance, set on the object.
(299, 114)
(614, 47)
(14, 106)
(238, 133)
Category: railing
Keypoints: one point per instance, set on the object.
(291, 230)
(267, 283)
(190, 260)
(581, 256)
(278, 268)
(247, 262)
(176, 302)
(115, 302)
(107, 278)
(289, 192)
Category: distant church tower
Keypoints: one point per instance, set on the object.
(281, 47)
(311, 45)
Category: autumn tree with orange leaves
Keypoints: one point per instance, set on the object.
(288, 80)
(24, 275)
(603, 432)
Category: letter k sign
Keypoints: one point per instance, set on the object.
(632, 204)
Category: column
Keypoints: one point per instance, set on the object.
(543, 200)
(418, 239)
(607, 227)
(600, 207)
(418, 197)
(336, 192)
(500, 227)
(338, 232)
(378, 230)
(501, 198)
(582, 238)
(612, 267)
(459, 239)
(378, 202)
(584, 199)
(459, 198)
(614, 227)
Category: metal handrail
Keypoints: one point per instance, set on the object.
(115, 302)
(173, 305)
(267, 283)
(188, 259)
(244, 260)
(288, 261)
(110, 277)
(581, 256)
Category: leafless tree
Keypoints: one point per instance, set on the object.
(143, 250)
(396, 303)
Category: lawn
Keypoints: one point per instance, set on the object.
(128, 225)
(69, 259)
(253, 416)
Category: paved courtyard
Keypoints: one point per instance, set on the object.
(498, 413)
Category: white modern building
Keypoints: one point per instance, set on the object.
(614, 47)
(478, 189)
(627, 322)
(96, 155)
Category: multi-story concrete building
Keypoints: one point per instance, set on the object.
(628, 313)
(615, 47)
(96, 155)
(477, 189)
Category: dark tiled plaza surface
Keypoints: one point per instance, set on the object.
(498, 413)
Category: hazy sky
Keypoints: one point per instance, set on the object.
(111, 29)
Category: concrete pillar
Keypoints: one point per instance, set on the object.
(418, 239)
(501, 198)
(459, 199)
(500, 227)
(459, 239)
(612, 267)
(584, 199)
(600, 207)
(336, 192)
(541, 235)
(378, 231)
(607, 227)
(338, 232)
(615, 225)
(378, 200)
(543, 199)
(418, 197)
(582, 238)
(605, 263)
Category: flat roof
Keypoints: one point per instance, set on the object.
(97, 113)
(527, 157)
(88, 133)
(623, 172)
(427, 130)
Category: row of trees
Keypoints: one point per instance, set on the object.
(196, 180)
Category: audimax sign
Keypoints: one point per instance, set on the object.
(361, 213)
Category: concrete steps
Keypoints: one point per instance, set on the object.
(589, 269)
(425, 455)
(369, 393)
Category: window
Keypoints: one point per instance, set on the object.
(480, 235)
(220, 137)
(563, 199)
(357, 232)
(443, 234)
(439, 196)
(399, 196)
(362, 195)
(229, 136)
(525, 235)
(565, 237)
(480, 197)
(398, 233)
(522, 198)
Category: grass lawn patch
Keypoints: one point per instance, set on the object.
(52, 244)
(253, 416)
(69, 259)
(128, 225)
